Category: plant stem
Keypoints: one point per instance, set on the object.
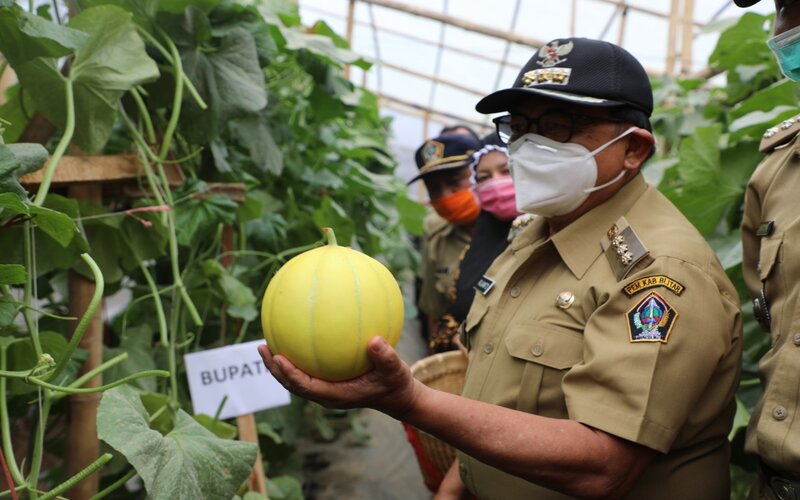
(66, 138)
(162, 320)
(77, 478)
(38, 446)
(5, 426)
(92, 390)
(29, 322)
(148, 123)
(177, 100)
(77, 335)
(114, 486)
(171, 351)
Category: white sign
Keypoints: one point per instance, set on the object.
(235, 371)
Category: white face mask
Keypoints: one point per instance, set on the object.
(553, 178)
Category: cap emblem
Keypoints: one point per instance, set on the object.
(432, 151)
(546, 76)
(553, 53)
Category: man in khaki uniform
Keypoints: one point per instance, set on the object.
(771, 268)
(444, 168)
(605, 342)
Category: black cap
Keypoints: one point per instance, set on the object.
(578, 70)
(446, 152)
(745, 3)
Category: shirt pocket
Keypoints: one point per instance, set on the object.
(547, 353)
(768, 256)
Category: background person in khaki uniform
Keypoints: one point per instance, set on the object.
(771, 268)
(444, 168)
(605, 355)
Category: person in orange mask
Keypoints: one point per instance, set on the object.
(443, 164)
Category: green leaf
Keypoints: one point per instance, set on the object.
(138, 344)
(331, 214)
(8, 311)
(728, 249)
(411, 213)
(323, 47)
(21, 356)
(239, 297)
(699, 156)
(220, 429)
(24, 36)
(742, 44)
(55, 224)
(229, 79)
(199, 217)
(254, 134)
(17, 160)
(189, 462)
(12, 274)
(111, 62)
(284, 488)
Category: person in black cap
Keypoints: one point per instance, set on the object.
(605, 344)
(443, 164)
(771, 247)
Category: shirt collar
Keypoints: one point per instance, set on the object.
(579, 243)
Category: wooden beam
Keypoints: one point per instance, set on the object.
(645, 10)
(457, 22)
(672, 37)
(101, 169)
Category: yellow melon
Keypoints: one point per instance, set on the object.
(323, 306)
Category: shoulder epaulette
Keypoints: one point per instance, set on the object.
(623, 248)
(780, 133)
(433, 224)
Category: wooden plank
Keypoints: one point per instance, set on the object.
(101, 169)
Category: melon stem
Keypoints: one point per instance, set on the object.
(331, 237)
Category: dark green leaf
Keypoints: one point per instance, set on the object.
(411, 213)
(229, 79)
(331, 214)
(254, 134)
(138, 344)
(8, 311)
(112, 61)
(199, 217)
(12, 274)
(24, 36)
(219, 428)
(284, 488)
(57, 225)
(189, 462)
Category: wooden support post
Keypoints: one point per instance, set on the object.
(672, 36)
(351, 12)
(687, 37)
(248, 433)
(83, 447)
(245, 423)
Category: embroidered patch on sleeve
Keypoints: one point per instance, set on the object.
(651, 319)
(643, 284)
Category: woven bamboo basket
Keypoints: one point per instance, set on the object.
(444, 372)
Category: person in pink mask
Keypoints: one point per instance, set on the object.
(494, 189)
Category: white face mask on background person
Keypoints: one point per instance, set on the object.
(553, 178)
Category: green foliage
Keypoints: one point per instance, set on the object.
(187, 462)
(273, 144)
(709, 138)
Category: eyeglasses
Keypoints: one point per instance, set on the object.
(559, 126)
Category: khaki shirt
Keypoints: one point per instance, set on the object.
(563, 333)
(771, 261)
(442, 245)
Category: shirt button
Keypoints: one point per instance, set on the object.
(488, 348)
(514, 292)
(779, 412)
(537, 350)
(797, 339)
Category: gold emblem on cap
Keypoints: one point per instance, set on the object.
(553, 53)
(565, 299)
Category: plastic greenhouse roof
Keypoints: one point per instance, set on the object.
(431, 74)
